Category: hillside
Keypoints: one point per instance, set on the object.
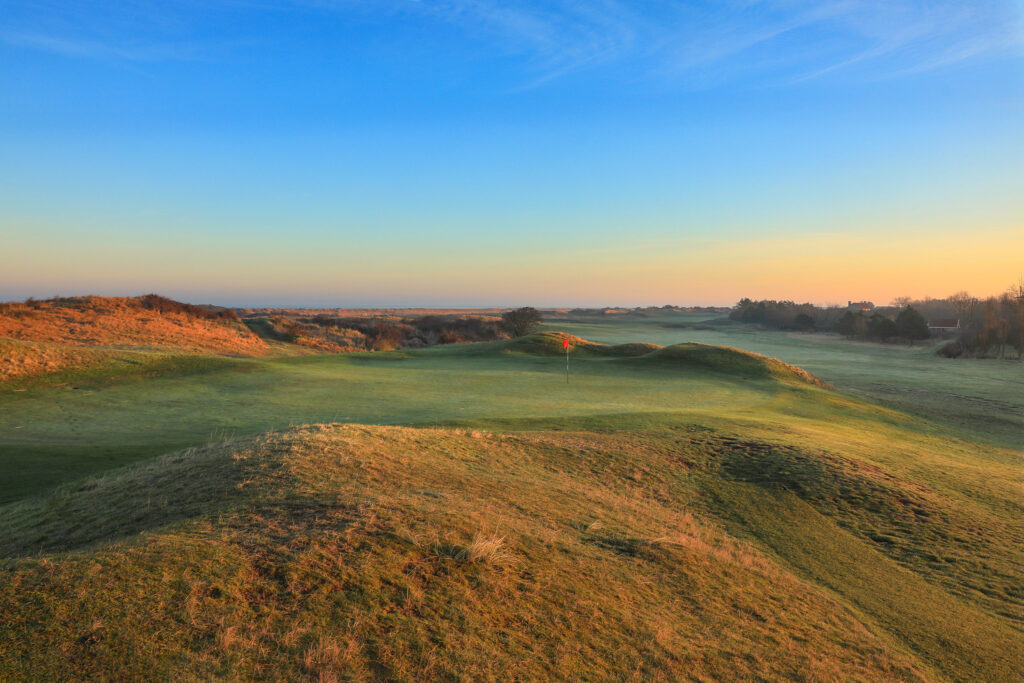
(360, 552)
(58, 334)
(354, 552)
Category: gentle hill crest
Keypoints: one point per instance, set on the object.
(144, 321)
(58, 334)
(691, 355)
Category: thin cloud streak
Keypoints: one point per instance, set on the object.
(698, 42)
(88, 49)
(681, 41)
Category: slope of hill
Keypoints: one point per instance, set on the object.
(125, 322)
(64, 333)
(355, 552)
(691, 356)
(363, 552)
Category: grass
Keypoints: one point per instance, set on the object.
(593, 547)
(126, 322)
(51, 434)
(372, 552)
(681, 512)
(981, 399)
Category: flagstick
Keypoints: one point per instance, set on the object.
(566, 364)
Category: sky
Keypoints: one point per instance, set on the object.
(486, 153)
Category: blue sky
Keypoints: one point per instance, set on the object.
(478, 153)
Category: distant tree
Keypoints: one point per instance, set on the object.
(881, 327)
(911, 325)
(1015, 307)
(804, 322)
(1016, 291)
(964, 305)
(521, 321)
(901, 302)
(847, 324)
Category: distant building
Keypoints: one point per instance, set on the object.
(943, 325)
(860, 305)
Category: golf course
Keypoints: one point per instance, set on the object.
(686, 503)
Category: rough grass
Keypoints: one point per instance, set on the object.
(113, 322)
(37, 364)
(350, 552)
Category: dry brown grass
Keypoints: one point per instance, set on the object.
(25, 359)
(124, 322)
(44, 337)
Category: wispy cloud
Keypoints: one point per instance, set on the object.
(785, 40)
(688, 41)
(93, 49)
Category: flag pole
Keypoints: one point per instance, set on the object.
(566, 363)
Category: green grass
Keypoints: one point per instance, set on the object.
(982, 399)
(59, 433)
(688, 512)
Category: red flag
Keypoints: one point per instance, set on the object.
(565, 343)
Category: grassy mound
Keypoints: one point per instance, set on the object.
(731, 361)
(550, 344)
(718, 359)
(120, 322)
(357, 552)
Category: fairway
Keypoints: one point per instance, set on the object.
(54, 434)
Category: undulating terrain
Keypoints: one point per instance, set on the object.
(676, 509)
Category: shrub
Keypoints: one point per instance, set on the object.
(953, 349)
(911, 325)
(521, 321)
(803, 322)
(162, 304)
(881, 327)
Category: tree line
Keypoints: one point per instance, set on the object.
(989, 327)
(905, 323)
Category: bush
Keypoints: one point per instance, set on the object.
(803, 322)
(953, 349)
(881, 327)
(911, 325)
(162, 304)
(521, 322)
